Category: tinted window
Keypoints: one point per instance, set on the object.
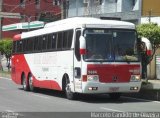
(77, 53)
(60, 40)
(19, 45)
(70, 36)
(44, 42)
(49, 42)
(65, 39)
(35, 43)
(55, 41)
(53, 37)
(14, 47)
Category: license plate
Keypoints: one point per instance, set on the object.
(114, 89)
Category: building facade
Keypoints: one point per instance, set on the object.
(30, 10)
(150, 11)
(129, 10)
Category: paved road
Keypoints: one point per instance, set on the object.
(14, 100)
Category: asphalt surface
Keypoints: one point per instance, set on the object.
(48, 103)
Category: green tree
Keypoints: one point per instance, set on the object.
(152, 32)
(5, 48)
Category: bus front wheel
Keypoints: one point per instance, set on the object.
(69, 94)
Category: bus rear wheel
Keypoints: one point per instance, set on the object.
(31, 87)
(24, 83)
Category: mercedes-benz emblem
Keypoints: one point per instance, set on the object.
(114, 78)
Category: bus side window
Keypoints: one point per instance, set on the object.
(19, 49)
(60, 40)
(53, 37)
(44, 43)
(77, 53)
(30, 44)
(14, 47)
(49, 42)
(24, 45)
(35, 43)
(65, 38)
(70, 36)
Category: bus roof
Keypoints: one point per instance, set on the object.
(78, 22)
(90, 20)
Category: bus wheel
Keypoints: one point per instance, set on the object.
(31, 87)
(24, 83)
(115, 96)
(69, 94)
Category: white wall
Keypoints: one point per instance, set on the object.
(153, 19)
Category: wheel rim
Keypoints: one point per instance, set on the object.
(68, 91)
(31, 82)
(24, 83)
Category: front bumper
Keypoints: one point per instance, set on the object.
(97, 87)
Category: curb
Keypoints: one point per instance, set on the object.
(146, 94)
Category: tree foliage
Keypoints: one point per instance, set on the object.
(6, 47)
(150, 31)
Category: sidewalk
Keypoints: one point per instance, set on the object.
(149, 90)
(5, 74)
(152, 84)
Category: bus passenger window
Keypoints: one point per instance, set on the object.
(35, 43)
(49, 42)
(44, 44)
(70, 36)
(65, 38)
(39, 43)
(19, 46)
(60, 40)
(30, 44)
(14, 47)
(24, 45)
(53, 37)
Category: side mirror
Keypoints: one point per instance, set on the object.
(82, 45)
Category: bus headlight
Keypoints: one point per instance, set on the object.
(94, 78)
(135, 78)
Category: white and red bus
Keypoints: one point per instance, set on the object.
(79, 55)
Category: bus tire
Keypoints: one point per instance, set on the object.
(115, 96)
(31, 86)
(69, 94)
(24, 83)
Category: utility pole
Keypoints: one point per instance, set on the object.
(1, 68)
(150, 14)
(77, 7)
(1, 1)
(64, 8)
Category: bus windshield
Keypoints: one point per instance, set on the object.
(111, 45)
